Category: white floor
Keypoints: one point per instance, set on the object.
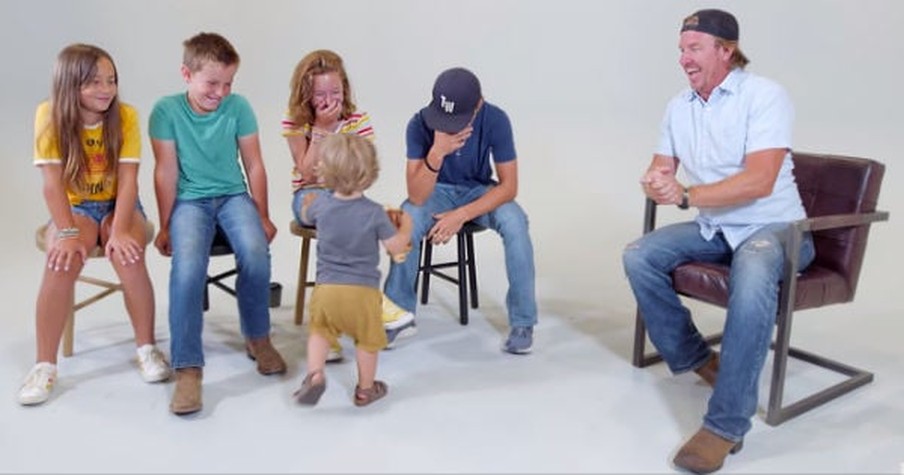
(457, 403)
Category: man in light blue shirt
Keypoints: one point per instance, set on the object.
(731, 134)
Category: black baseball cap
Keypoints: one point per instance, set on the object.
(456, 94)
(718, 23)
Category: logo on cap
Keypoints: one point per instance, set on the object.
(447, 105)
(691, 21)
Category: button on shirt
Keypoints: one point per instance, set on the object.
(744, 114)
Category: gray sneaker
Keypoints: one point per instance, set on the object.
(404, 331)
(520, 341)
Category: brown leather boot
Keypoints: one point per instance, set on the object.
(705, 452)
(187, 396)
(709, 370)
(268, 359)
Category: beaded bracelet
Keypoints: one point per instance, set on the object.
(67, 233)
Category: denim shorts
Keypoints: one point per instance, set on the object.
(98, 210)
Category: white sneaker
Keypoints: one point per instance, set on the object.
(38, 384)
(152, 364)
(335, 355)
(394, 316)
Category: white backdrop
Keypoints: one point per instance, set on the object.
(585, 83)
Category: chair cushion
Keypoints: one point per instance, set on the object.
(816, 286)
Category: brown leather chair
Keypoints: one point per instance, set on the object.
(840, 196)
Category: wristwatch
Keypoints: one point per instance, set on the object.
(685, 196)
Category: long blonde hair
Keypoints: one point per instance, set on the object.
(76, 66)
(315, 63)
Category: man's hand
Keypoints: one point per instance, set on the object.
(446, 144)
(661, 186)
(447, 225)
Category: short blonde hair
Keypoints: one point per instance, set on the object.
(208, 48)
(348, 163)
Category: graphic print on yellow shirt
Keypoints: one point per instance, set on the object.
(99, 184)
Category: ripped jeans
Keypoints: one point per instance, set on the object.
(756, 269)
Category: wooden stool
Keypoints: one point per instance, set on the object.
(107, 287)
(467, 269)
(307, 234)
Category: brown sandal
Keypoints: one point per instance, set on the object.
(309, 393)
(364, 397)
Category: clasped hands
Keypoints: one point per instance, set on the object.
(661, 186)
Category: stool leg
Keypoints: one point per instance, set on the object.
(462, 279)
(205, 305)
(426, 269)
(472, 269)
(302, 280)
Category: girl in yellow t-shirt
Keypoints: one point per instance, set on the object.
(87, 146)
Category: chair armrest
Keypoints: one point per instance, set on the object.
(649, 216)
(839, 221)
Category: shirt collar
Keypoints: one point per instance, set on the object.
(729, 85)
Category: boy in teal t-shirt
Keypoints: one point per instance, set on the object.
(203, 140)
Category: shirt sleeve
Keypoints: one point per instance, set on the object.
(160, 123)
(46, 148)
(385, 228)
(502, 139)
(666, 144)
(771, 120)
(359, 124)
(247, 122)
(418, 138)
(290, 128)
(131, 136)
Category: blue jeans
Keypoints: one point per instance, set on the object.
(192, 228)
(509, 220)
(756, 269)
(98, 210)
(298, 198)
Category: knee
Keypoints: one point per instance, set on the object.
(759, 258)
(511, 220)
(253, 258)
(634, 257)
(420, 220)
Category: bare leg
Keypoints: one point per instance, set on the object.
(367, 368)
(318, 347)
(55, 297)
(138, 292)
